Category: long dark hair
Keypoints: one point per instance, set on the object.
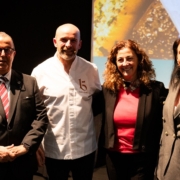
(175, 77)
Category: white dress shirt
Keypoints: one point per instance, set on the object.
(68, 98)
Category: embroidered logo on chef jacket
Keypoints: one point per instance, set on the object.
(82, 85)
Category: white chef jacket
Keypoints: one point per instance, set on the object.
(68, 99)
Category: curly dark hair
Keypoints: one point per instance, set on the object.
(112, 76)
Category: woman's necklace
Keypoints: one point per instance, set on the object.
(131, 85)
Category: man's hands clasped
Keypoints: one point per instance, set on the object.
(10, 153)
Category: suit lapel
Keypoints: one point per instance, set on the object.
(176, 112)
(16, 85)
(168, 111)
(173, 97)
(140, 116)
(2, 112)
(110, 100)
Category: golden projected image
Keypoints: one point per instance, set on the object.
(145, 21)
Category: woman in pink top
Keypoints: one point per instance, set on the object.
(132, 118)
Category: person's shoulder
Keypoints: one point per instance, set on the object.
(159, 86)
(19, 76)
(86, 62)
(41, 68)
(108, 92)
(27, 78)
(155, 83)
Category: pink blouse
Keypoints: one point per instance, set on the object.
(125, 115)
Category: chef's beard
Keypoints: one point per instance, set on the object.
(67, 57)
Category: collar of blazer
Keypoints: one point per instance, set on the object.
(174, 92)
(16, 86)
(16, 82)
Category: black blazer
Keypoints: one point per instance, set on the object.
(149, 117)
(26, 124)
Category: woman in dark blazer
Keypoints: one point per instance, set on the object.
(132, 115)
(169, 156)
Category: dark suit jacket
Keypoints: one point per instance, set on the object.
(26, 124)
(149, 117)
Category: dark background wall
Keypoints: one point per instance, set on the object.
(32, 25)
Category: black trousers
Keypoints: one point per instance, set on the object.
(9, 172)
(139, 166)
(81, 168)
(22, 168)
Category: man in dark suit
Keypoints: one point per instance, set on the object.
(23, 119)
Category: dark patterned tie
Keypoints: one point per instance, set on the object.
(4, 95)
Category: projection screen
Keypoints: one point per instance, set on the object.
(154, 24)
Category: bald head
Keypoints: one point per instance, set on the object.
(3, 35)
(7, 53)
(67, 42)
(68, 28)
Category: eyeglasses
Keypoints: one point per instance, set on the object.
(7, 51)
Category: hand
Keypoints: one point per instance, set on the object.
(5, 153)
(40, 155)
(18, 150)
